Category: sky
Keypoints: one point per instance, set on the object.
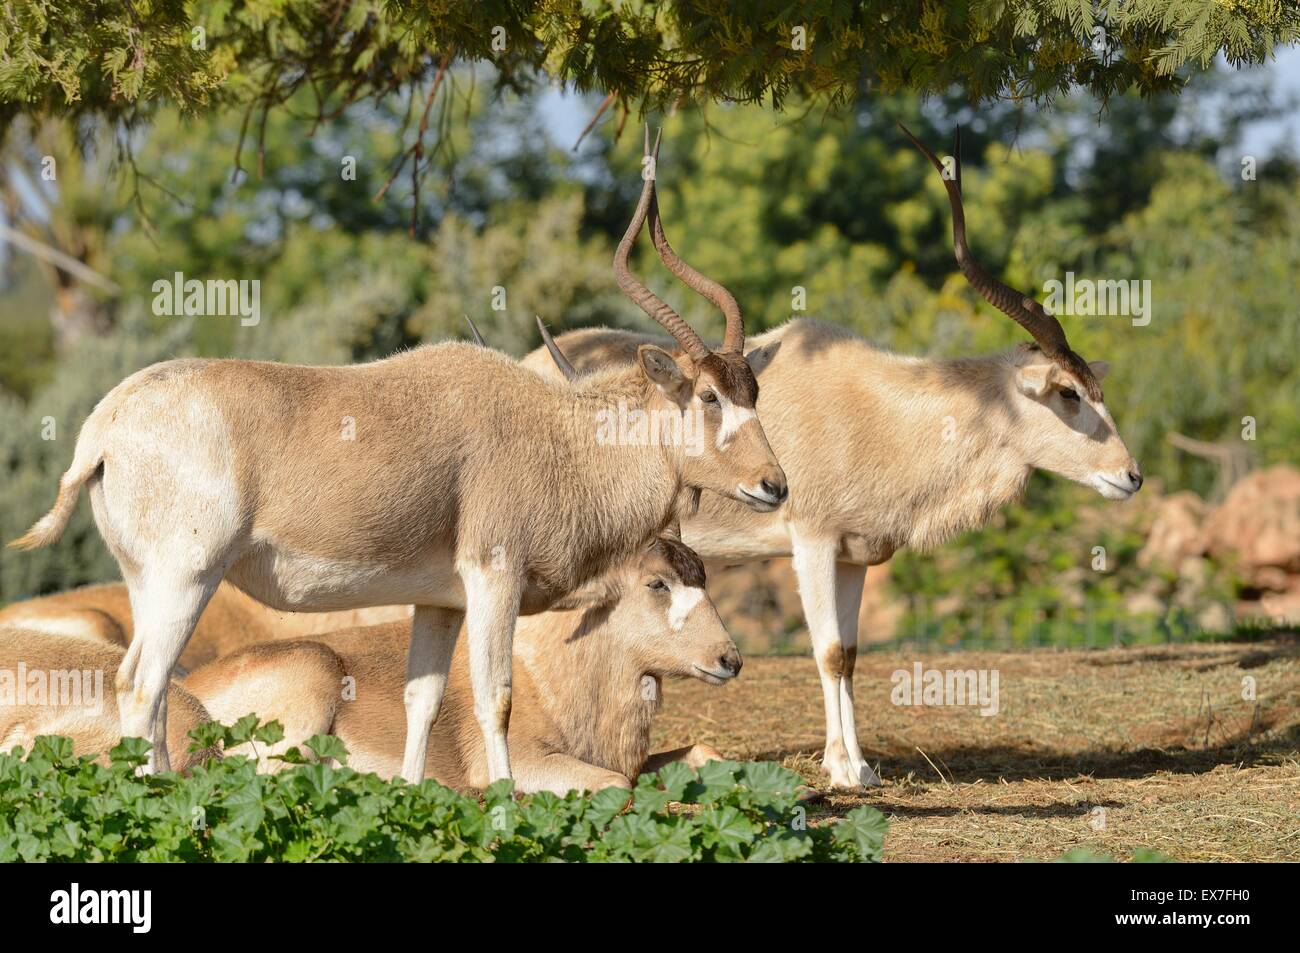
(566, 114)
(1267, 137)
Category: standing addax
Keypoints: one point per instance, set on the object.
(447, 477)
(884, 451)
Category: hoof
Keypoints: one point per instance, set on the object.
(844, 777)
(867, 777)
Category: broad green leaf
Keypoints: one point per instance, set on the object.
(865, 827)
(327, 746)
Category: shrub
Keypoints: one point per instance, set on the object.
(55, 806)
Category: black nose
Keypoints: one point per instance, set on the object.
(731, 661)
(1136, 479)
(778, 491)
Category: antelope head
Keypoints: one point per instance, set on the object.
(1064, 426)
(716, 388)
(658, 613)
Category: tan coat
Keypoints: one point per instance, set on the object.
(447, 477)
(90, 716)
(231, 620)
(882, 451)
(588, 684)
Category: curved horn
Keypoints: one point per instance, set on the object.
(478, 338)
(1024, 310)
(632, 286)
(562, 362)
(734, 340)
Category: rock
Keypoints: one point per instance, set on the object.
(1215, 618)
(1258, 525)
(759, 603)
(1176, 531)
(1193, 574)
(1273, 578)
(882, 611)
(1143, 603)
(1282, 609)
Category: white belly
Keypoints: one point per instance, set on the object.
(303, 582)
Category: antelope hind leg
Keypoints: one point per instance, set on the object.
(165, 605)
(433, 639)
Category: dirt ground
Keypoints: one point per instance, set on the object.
(1110, 750)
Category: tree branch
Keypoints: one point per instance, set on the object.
(59, 259)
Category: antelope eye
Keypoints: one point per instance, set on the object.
(709, 397)
(1069, 394)
(659, 585)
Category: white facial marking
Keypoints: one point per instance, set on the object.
(733, 418)
(684, 601)
(1104, 420)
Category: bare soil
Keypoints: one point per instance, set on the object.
(1110, 750)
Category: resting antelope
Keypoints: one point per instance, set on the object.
(230, 621)
(447, 477)
(74, 676)
(588, 682)
(884, 451)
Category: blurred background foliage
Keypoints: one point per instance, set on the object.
(835, 203)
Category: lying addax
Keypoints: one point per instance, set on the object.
(447, 477)
(57, 684)
(230, 621)
(884, 451)
(587, 685)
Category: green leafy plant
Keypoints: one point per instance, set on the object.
(55, 806)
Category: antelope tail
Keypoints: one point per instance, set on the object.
(85, 462)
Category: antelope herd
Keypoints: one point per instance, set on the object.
(473, 488)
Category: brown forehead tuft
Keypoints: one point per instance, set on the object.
(1073, 364)
(684, 561)
(1079, 368)
(735, 377)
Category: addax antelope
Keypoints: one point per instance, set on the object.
(448, 477)
(589, 676)
(884, 451)
(230, 621)
(55, 684)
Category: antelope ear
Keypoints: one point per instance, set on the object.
(665, 372)
(1034, 380)
(760, 357)
(1099, 369)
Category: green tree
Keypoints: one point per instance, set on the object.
(103, 55)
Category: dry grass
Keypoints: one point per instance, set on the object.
(1160, 738)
